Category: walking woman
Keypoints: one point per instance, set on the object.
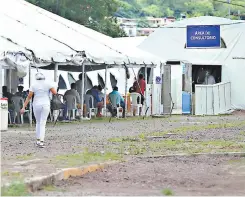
(41, 105)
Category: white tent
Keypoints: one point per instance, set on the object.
(50, 33)
(169, 43)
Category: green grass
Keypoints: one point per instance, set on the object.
(25, 157)
(15, 189)
(185, 129)
(177, 146)
(13, 174)
(167, 192)
(71, 160)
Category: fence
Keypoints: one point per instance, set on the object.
(212, 99)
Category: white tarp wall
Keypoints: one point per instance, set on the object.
(169, 43)
(157, 107)
(176, 88)
(213, 99)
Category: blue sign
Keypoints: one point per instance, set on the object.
(158, 80)
(203, 36)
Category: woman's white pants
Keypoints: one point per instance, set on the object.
(41, 113)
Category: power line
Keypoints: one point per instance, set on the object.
(224, 2)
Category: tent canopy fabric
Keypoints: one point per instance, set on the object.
(169, 43)
(36, 19)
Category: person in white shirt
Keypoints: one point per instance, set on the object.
(41, 105)
(209, 79)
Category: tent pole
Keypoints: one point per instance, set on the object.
(30, 108)
(56, 67)
(10, 79)
(126, 90)
(82, 96)
(1, 74)
(106, 69)
(146, 90)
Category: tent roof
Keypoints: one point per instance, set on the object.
(128, 46)
(169, 42)
(51, 30)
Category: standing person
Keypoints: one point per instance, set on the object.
(79, 84)
(139, 87)
(41, 105)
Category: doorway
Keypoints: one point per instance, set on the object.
(199, 71)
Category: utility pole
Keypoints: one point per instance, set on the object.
(57, 6)
(229, 11)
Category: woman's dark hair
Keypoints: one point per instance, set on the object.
(131, 89)
(100, 88)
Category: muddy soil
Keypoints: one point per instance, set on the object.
(188, 175)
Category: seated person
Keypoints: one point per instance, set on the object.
(21, 93)
(74, 93)
(98, 102)
(120, 102)
(9, 96)
(101, 95)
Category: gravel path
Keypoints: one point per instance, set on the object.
(201, 175)
(71, 138)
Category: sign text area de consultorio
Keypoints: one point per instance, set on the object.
(203, 36)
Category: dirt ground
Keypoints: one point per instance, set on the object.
(187, 175)
(66, 146)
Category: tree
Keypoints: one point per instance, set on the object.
(100, 12)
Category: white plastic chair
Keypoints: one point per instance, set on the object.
(134, 104)
(89, 101)
(113, 101)
(70, 101)
(18, 103)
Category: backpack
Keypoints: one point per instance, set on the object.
(56, 103)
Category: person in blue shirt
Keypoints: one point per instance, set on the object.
(98, 101)
(120, 102)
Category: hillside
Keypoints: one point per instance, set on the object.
(163, 8)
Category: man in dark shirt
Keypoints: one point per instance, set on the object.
(7, 94)
(98, 102)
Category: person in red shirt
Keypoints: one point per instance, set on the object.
(140, 86)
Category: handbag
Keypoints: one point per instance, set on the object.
(56, 103)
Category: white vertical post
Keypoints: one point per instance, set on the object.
(1, 74)
(106, 70)
(56, 67)
(82, 96)
(126, 90)
(10, 79)
(30, 109)
(146, 90)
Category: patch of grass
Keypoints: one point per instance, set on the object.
(14, 174)
(185, 129)
(237, 161)
(25, 157)
(123, 139)
(15, 189)
(50, 188)
(167, 192)
(242, 133)
(85, 157)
